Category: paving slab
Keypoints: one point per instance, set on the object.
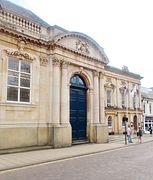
(22, 159)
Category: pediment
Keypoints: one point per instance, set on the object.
(82, 44)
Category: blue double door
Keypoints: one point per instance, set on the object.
(78, 112)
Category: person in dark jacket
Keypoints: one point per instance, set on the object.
(150, 130)
(139, 134)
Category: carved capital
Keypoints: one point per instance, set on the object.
(65, 64)
(96, 73)
(56, 62)
(44, 61)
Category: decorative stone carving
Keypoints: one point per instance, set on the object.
(21, 44)
(81, 70)
(65, 64)
(82, 47)
(109, 83)
(109, 80)
(96, 73)
(56, 62)
(20, 55)
(44, 61)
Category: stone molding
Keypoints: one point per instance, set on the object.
(19, 54)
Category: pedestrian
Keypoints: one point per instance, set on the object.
(139, 134)
(129, 133)
(150, 130)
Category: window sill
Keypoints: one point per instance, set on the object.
(17, 104)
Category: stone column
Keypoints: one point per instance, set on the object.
(56, 92)
(96, 97)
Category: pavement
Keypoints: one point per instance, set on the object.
(29, 158)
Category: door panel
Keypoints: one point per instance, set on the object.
(78, 117)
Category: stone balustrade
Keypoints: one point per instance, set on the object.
(8, 17)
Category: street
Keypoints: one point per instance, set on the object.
(129, 163)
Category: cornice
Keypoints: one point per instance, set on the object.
(50, 45)
(11, 30)
(53, 45)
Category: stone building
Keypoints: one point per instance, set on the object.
(147, 106)
(122, 98)
(56, 87)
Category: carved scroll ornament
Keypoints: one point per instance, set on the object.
(19, 54)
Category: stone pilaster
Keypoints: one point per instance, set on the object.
(61, 135)
(103, 137)
(96, 97)
(117, 94)
(91, 115)
(64, 94)
(102, 115)
(56, 92)
(139, 91)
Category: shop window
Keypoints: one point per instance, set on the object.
(19, 77)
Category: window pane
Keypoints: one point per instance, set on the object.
(12, 94)
(81, 82)
(108, 97)
(74, 80)
(12, 73)
(12, 81)
(24, 95)
(13, 64)
(25, 67)
(25, 80)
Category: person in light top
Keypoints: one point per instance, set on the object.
(129, 133)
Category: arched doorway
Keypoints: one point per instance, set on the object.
(135, 123)
(78, 108)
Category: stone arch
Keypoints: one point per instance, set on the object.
(62, 37)
(84, 75)
(88, 80)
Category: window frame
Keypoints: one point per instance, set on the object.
(109, 104)
(19, 86)
(110, 119)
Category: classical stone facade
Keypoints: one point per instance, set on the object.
(54, 84)
(125, 91)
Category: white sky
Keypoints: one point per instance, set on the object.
(124, 28)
